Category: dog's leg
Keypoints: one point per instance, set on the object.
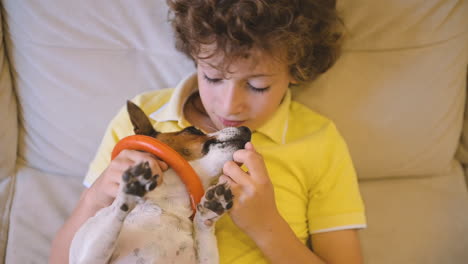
(95, 240)
(215, 203)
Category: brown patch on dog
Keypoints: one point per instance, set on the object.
(189, 142)
(186, 143)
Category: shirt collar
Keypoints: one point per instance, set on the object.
(173, 109)
(275, 128)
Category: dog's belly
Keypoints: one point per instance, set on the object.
(152, 235)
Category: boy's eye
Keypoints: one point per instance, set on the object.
(211, 80)
(258, 89)
(250, 86)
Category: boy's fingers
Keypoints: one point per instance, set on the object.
(163, 165)
(157, 166)
(249, 146)
(253, 161)
(235, 173)
(123, 164)
(226, 179)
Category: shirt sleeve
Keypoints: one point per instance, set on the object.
(335, 202)
(119, 127)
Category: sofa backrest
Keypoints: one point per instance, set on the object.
(397, 94)
(77, 62)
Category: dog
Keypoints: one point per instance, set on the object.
(150, 222)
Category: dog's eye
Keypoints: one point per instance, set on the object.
(193, 130)
(208, 143)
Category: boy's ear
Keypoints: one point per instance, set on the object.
(141, 123)
(293, 81)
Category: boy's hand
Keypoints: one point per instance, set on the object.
(104, 190)
(254, 199)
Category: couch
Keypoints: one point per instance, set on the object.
(397, 94)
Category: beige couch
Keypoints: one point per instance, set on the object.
(397, 95)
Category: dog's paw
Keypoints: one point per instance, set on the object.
(217, 200)
(138, 180)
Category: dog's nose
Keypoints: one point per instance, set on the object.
(244, 129)
(245, 132)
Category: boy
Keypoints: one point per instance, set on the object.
(299, 183)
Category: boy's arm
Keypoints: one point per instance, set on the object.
(279, 244)
(345, 242)
(101, 194)
(62, 241)
(255, 212)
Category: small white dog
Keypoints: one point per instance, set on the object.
(153, 226)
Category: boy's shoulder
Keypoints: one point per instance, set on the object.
(149, 102)
(304, 121)
(153, 100)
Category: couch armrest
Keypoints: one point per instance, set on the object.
(462, 152)
(8, 142)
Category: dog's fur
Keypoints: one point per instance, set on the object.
(153, 226)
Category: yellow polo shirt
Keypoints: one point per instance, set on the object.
(316, 189)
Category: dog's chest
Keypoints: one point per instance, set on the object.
(159, 229)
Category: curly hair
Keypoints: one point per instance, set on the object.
(307, 32)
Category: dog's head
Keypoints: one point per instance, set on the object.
(207, 153)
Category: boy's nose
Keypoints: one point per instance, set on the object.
(234, 101)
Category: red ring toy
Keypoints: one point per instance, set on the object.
(186, 173)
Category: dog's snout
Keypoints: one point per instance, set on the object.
(245, 132)
(232, 138)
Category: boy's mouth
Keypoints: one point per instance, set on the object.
(230, 123)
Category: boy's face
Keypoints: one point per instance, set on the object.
(248, 94)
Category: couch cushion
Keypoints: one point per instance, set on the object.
(400, 213)
(417, 220)
(41, 204)
(397, 94)
(76, 63)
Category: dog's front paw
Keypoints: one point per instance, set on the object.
(138, 179)
(217, 200)
(136, 182)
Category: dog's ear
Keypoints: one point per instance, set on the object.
(141, 123)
